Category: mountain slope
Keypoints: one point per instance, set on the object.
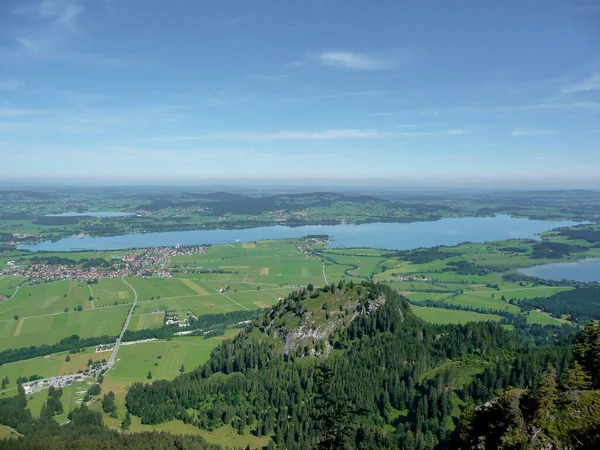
(354, 348)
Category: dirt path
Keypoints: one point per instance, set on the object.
(19, 326)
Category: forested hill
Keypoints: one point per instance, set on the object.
(348, 366)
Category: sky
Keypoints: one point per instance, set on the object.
(502, 93)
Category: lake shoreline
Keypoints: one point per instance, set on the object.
(381, 235)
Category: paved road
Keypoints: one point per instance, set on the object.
(113, 357)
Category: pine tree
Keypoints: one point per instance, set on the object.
(149, 376)
(587, 350)
(576, 380)
(127, 422)
(182, 369)
(546, 397)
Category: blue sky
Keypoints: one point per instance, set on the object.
(503, 93)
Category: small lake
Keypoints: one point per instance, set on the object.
(397, 236)
(92, 214)
(583, 270)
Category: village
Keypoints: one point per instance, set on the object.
(147, 262)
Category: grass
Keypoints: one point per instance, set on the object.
(449, 316)
(135, 361)
(269, 262)
(52, 328)
(459, 373)
(543, 319)
(7, 432)
(144, 321)
(110, 290)
(9, 284)
(46, 298)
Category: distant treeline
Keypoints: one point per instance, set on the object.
(60, 261)
(73, 342)
(555, 250)
(204, 322)
(56, 220)
(588, 234)
(580, 303)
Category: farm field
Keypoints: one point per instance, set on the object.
(110, 290)
(46, 298)
(50, 329)
(148, 320)
(447, 316)
(270, 262)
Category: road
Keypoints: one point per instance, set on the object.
(113, 357)
(324, 276)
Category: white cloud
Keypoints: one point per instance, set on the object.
(9, 85)
(335, 134)
(351, 60)
(530, 132)
(278, 135)
(589, 84)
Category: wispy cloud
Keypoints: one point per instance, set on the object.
(352, 60)
(531, 132)
(61, 13)
(322, 135)
(9, 85)
(588, 84)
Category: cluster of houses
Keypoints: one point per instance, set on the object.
(55, 382)
(412, 278)
(147, 262)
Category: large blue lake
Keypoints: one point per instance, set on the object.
(398, 236)
(584, 270)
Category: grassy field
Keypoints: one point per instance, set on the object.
(110, 290)
(8, 285)
(144, 321)
(7, 432)
(50, 329)
(269, 262)
(46, 298)
(447, 316)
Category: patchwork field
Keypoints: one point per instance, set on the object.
(46, 298)
(269, 262)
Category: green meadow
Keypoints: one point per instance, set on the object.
(446, 316)
(50, 329)
(8, 285)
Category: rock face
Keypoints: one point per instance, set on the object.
(311, 330)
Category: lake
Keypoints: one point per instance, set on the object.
(583, 270)
(92, 214)
(397, 236)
